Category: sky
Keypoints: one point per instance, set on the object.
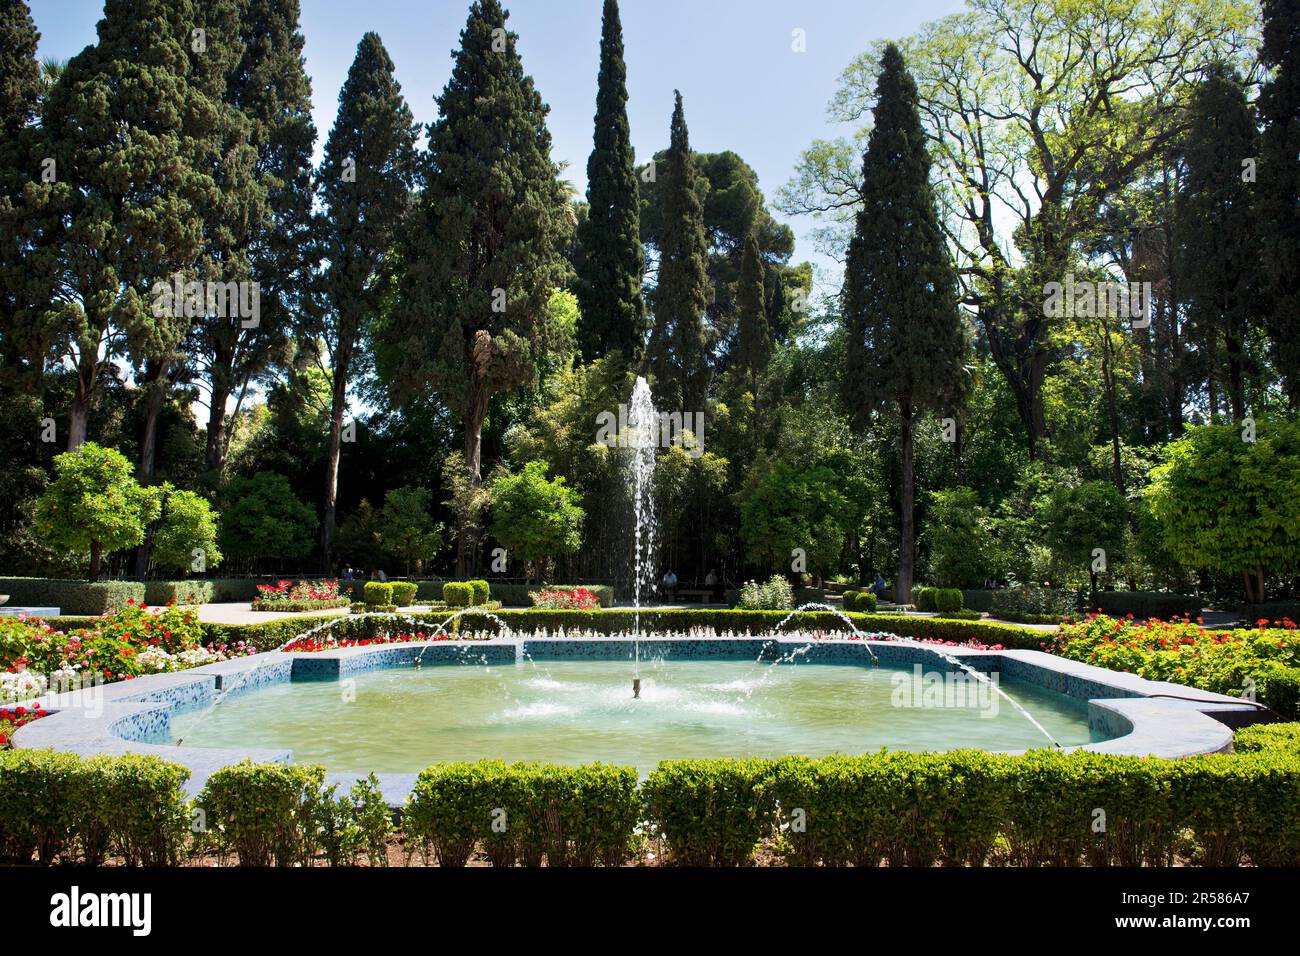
(743, 86)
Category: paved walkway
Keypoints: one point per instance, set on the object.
(243, 613)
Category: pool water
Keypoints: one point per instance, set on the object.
(403, 719)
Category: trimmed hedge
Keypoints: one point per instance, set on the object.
(72, 597)
(523, 813)
(1260, 737)
(861, 601)
(1147, 604)
(377, 592)
(923, 599)
(404, 592)
(711, 812)
(158, 593)
(262, 813)
(458, 593)
(1271, 611)
(977, 600)
(947, 600)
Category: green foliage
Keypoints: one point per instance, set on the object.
(788, 504)
(94, 504)
(754, 337)
(775, 595)
(404, 592)
(378, 592)
(710, 812)
(1031, 599)
(1260, 737)
(73, 597)
(863, 601)
(959, 536)
(157, 593)
(535, 517)
(1231, 505)
(947, 600)
(481, 591)
(40, 793)
(924, 599)
(187, 524)
(1145, 604)
(136, 803)
(408, 529)
(262, 520)
(262, 813)
(352, 824)
(458, 593)
(1079, 520)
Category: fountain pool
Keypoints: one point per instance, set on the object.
(402, 719)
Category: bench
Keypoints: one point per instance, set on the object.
(699, 594)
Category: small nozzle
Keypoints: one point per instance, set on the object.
(636, 688)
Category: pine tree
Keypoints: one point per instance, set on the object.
(1219, 249)
(612, 261)
(123, 127)
(1278, 187)
(754, 341)
(485, 251)
(907, 345)
(20, 92)
(364, 183)
(677, 346)
(271, 91)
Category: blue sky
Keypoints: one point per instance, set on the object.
(744, 88)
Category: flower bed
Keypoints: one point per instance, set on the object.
(1226, 662)
(288, 596)
(119, 645)
(562, 599)
(11, 718)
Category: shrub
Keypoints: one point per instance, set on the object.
(481, 592)
(1258, 737)
(860, 601)
(1147, 604)
(188, 524)
(40, 804)
(378, 592)
(947, 600)
(351, 824)
(458, 594)
(139, 800)
(710, 812)
(178, 592)
(1031, 599)
(72, 597)
(964, 614)
(263, 813)
(924, 599)
(404, 592)
(262, 519)
(977, 600)
(444, 813)
(535, 518)
(775, 595)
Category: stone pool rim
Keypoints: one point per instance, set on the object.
(1126, 707)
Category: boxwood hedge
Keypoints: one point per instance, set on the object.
(72, 597)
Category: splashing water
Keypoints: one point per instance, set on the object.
(643, 424)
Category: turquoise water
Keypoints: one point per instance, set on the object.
(402, 719)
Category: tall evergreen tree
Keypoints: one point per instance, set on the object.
(122, 126)
(907, 346)
(485, 251)
(364, 184)
(677, 346)
(272, 92)
(754, 342)
(20, 92)
(612, 261)
(1278, 188)
(1219, 247)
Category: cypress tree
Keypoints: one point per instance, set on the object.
(485, 251)
(270, 90)
(1278, 188)
(906, 345)
(612, 261)
(677, 349)
(754, 337)
(124, 127)
(364, 182)
(20, 92)
(1219, 248)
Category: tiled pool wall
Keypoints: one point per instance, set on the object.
(135, 715)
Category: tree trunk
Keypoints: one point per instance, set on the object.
(215, 456)
(338, 406)
(156, 382)
(903, 586)
(82, 397)
(96, 554)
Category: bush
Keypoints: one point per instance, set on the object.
(861, 601)
(72, 597)
(776, 595)
(1031, 599)
(40, 804)
(1147, 604)
(352, 824)
(1259, 737)
(710, 812)
(178, 592)
(964, 614)
(947, 600)
(404, 592)
(923, 598)
(977, 600)
(458, 594)
(378, 592)
(481, 592)
(139, 802)
(263, 813)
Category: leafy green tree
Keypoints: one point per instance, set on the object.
(1279, 187)
(186, 525)
(612, 260)
(408, 530)
(754, 343)
(94, 504)
(1079, 521)
(360, 539)
(268, 241)
(1231, 505)
(262, 520)
(485, 249)
(535, 518)
(677, 350)
(960, 540)
(907, 349)
(368, 169)
(1219, 245)
(787, 505)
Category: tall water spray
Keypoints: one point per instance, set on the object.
(641, 442)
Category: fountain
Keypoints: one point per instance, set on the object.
(643, 440)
